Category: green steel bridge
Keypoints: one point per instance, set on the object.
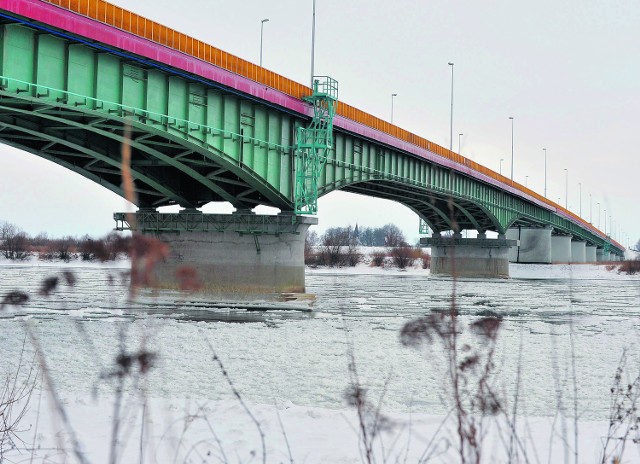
(74, 89)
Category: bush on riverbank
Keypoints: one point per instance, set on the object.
(16, 245)
(630, 267)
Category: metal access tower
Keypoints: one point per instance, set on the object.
(314, 144)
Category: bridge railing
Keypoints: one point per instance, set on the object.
(133, 23)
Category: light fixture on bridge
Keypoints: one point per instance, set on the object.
(511, 117)
(313, 41)
(566, 188)
(501, 160)
(451, 119)
(266, 20)
(459, 149)
(392, 96)
(545, 172)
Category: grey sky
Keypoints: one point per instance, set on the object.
(567, 71)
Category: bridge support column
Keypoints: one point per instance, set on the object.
(240, 252)
(590, 254)
(469, 257)
(534, 245)
(600, 255)
(578, 251)
(561, 248)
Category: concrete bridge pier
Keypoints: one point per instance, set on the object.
(600, 255)
(561, 248)
(578, 251)
(241, 252)
(590, 254)
(469, 257)
(533, 244)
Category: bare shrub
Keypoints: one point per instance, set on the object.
(630, 267)
(64, 248)
(377, 258)
(311, 240)
(332, 242)
(402, 255)
(426, 259)
(353, 255)
(14, 243)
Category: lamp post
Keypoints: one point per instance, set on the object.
(526, 181)
(451, 119)
(392, 95)
(511, 117)
(580, 193)
(605, 222)
(313, 41)
(566, 188)
(459, 136)
(545, 172)
(266, 20)
(590, 210)
(501, 160)
(598, 215)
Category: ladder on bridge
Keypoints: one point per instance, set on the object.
(314, 144)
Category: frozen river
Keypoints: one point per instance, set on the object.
(300, 357)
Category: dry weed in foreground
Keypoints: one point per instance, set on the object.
(469, 370)
(15, 395)
(624, 418)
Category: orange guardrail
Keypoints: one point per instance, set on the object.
(128, 21)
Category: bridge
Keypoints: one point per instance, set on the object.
(80, 79)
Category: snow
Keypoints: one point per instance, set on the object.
(293, 364)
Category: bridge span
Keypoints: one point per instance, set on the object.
(80, 78)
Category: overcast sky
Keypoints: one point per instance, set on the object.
(568, 72)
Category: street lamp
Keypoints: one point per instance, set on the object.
(580, 193)
(605, 222)
(451, 120)
(598, 215)
(590, 210)
(526, 181)
(501, 160)
(392, 95)
(566, 188)
(261, 31)
(459, 136)
(511, 117)
(545, 172)
(313, 40)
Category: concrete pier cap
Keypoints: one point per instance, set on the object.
(242, 252)
(469, 257)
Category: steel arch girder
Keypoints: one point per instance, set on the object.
(90, 152)
(123, 139)
(407, 201)
(457, 203)
(219, 159)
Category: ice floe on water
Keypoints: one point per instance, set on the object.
(294, 363)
